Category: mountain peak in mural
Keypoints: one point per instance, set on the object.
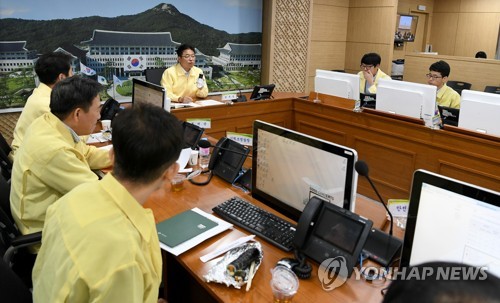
(48, 35)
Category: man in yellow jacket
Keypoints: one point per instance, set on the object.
(99, 243)
(52, 159)
(50, 69)
(370, 73)
(438, 76)
(182, 80)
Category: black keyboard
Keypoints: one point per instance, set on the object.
(257, 221)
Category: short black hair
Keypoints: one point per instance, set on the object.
(481, 54)
(182, 48)
(50, 65)
(71, 93)
(146, 141)
(371, 59)
(441, 67)
(484, 287)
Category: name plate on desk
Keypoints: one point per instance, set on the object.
(244, 139)
(201, 122)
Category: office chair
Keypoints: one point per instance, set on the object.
(4, 145)
(153, 75)
(5, 163)
(13, 245)
(492, 89)
(12, 288)
(458, 86)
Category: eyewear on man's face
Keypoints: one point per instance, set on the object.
(364, 66)
(434, 77)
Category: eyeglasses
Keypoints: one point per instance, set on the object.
(363, 66)
(189, 56)
(434, 77)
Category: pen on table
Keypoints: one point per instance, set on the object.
(251, 273)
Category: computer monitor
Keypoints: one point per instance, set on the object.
(451, 220)
(337, 84)
(479, 111)
(407, 98)
(288, 168)
(145, 92)
(262, 92)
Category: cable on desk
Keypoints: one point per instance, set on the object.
(204, 182)
(371, 276)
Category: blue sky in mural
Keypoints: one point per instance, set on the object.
(232, 16)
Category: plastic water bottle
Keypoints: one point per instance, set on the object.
(204, 157)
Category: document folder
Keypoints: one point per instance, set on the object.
(183, 227)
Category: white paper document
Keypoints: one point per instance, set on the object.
(183, 160)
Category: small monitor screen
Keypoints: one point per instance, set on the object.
(339, 230)
(262, 92)
(450, 220)
(192, 134)
(405, 22)
(144, 92)
(449, 115)
(288, 168)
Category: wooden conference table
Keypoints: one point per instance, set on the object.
(393, 146)
(183, 275)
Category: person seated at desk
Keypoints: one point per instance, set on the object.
(438, 76)
(52, 159)
(370, 73)
(181, 79)
(99, 243)
(50, 69)
(435, 282)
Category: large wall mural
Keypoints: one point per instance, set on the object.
(114, 49)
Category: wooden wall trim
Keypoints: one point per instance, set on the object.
(479, 72)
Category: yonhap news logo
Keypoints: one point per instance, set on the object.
(332, 273)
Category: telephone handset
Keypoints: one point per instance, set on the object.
(326, 230)
(227, 159)
(306, 221)
(215, 153)
(109, 109)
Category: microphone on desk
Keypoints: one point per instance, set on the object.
(362, 169)
(200, 82)
(380, 247)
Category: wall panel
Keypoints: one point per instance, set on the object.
(463, 27)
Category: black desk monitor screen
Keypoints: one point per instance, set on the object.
(262, 92)
(340, 230)
(192, 134)
(288, 168)
(450, 220)
(368, 100)
(144, 92)
(449, 115)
